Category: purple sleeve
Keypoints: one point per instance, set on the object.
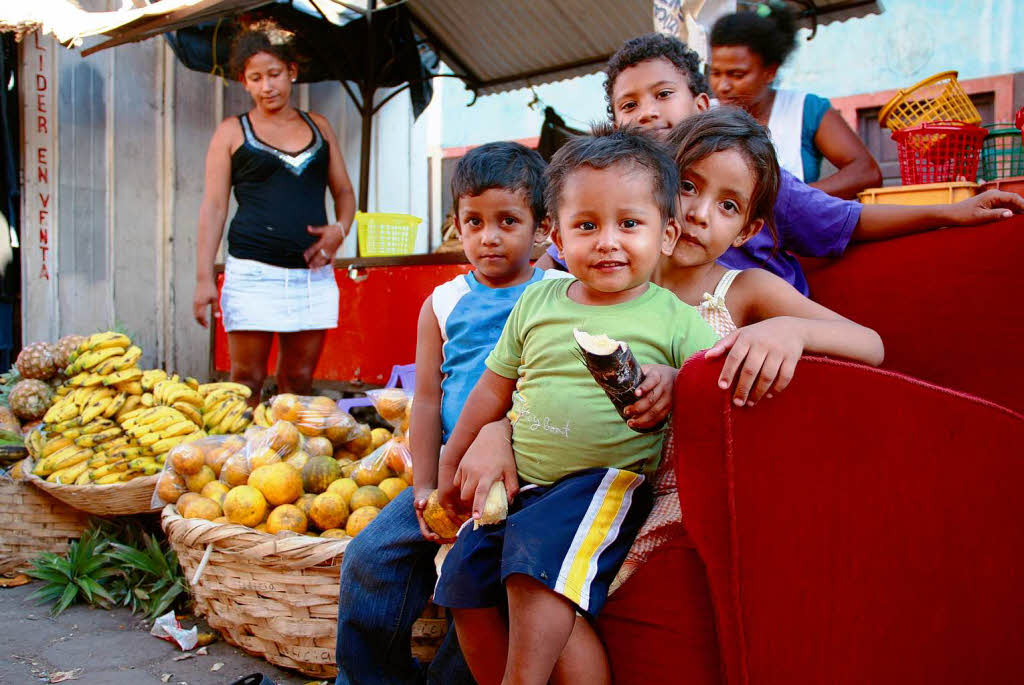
(553, 253)
(811, 222)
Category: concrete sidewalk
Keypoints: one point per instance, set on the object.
(111, 648)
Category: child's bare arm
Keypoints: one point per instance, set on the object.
(880, 222)
(489, 401)
(425, 426)
(778, 325)
(489, 459)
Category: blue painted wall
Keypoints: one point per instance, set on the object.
(910, 40)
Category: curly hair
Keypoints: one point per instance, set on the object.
(731, 128)
(607, 146)
(769, 32)
(262, 36)
(654, 46)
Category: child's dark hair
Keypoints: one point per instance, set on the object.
(509, 166)
(654, 46)
(770, 32)
(605, 147)
(731, 128)
(263, 36)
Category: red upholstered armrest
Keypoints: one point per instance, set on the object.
(947, 304)
(861, 527)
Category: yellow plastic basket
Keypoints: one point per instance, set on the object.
(937, 98)
(382, 234)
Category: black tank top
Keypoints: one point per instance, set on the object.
(279, 195)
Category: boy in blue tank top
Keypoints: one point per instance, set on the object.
(388, 571)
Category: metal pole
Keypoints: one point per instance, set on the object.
(367, 88)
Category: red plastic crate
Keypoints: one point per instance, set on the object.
(939, 152)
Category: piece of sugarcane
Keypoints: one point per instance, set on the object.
(614, 367)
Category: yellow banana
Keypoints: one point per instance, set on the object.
(62, 391)
(165, 444)
(95, 439)
(99, 341)
(102, 460)
(97, 406)
(183, 427)
(91, 360)
(125, 376)
(241, 423)
(73, 459)
(215, 415)
(149, 439)
(97, 425)
(131, 403)
(237, 388)
(84, 478)
(78, 379)
(106, 479)
(216, 396)
(115, 405)
(116, 467)
(94, 379)
(192, 383)
(190, 412)
(183, 393)
(69, 474)
(126, 452)
(61, 411)
(151, 378)
(129, 358)
(54, 444)
(71, 433)
(108, 365)
(47, 465)
(130, 387)
(147, 400)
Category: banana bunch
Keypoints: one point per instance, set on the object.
(261, 416)
(157, 429)
(225, 407)
(181, 395)
(88, 403)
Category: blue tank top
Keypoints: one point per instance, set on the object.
(279, 195)
(471, 317)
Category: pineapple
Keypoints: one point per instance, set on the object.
(65, 347)
(30, 399)
(36, 361)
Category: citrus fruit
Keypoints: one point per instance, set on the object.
(328, 511)
(359, 519)
(187, 459)
(343, 488)
(245, 505)
(334, 533)
(280, 483)
(286, 407)
(204, 508)
(319, 473)
(391, 404)
(368, 473)
(170, 487)
(368, 496)
(263, 457)
(197, 481)
(216, 457)
(305, 502)
(393, 486)
(378, 436)
(236, 470)
(283, 437)
(319, 447)
(286, 517)
(359, 439)
(298, 459)
(215, 490)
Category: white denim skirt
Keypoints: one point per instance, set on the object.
(261, 297)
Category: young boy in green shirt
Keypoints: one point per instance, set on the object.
(611, 198)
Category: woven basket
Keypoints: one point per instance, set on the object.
(117, 499)
(32, 522)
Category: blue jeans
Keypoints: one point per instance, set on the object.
(387, 576)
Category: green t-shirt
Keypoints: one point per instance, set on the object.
(562, 421)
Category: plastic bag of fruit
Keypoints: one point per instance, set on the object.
(194, 467)
(314, 417)
(394, 406)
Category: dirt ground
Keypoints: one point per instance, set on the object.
(110, 648)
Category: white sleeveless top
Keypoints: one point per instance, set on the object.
(712, 307)
(786, 125)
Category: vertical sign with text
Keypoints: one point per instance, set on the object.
(39, 188)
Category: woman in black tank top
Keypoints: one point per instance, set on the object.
(278, 277)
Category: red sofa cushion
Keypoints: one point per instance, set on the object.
(659, 626)
(861, 527)
(946, 303)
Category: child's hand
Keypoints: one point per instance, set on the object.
(655, 395)
(419, 503)
(488, 459)
(988, 206)
(765, 354)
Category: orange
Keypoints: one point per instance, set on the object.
(263, 457)
(378, 436)
(319, 447)
(285, 407)
(334, 533)
(368, 473)
(186, 501)
(283, 437)
(199, 480)
(398, 457)
(187, 459)
(236, 470)
(216, 457)
(391, 404)
(343, 488)
(340, 425)
(204, 508)
(392, 486)
(215, 490)
(245, 505)
(368, 496)
(328, 511)
(261, 528)
(359, 439)
(221, 519)
(170, 487)
(298, 459)
(360, 519)
(319, 473)
(280, 483)
(305, 502)
(286, 517)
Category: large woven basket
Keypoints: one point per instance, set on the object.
(32, 522)
(275, 596)
(117, 499)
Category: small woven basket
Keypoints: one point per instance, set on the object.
(275, 596)
(116, 499)
(32, 522)
(936, 98)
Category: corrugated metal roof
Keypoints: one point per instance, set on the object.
(501, 45)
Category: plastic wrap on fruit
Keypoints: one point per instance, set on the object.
(313, 417)
(193, 466)
(613, 366)
(394, 406)
(391, 463)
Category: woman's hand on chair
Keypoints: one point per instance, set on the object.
(322, 251)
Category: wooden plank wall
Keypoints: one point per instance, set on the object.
(133, 126)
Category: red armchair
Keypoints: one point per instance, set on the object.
(861, 527)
